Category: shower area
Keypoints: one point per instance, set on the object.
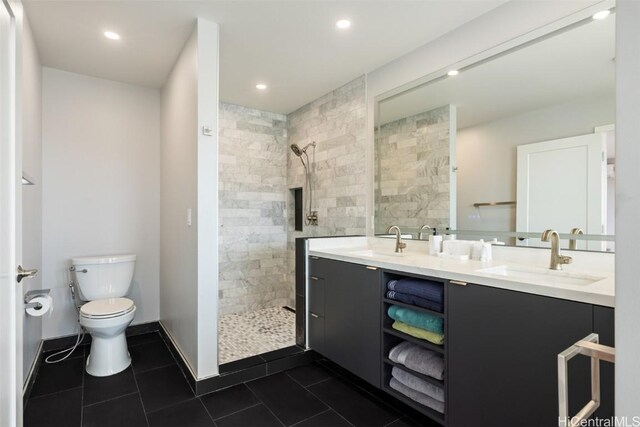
(256, 281)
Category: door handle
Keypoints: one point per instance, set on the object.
(25, 274)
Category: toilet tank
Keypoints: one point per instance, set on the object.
(106, 276)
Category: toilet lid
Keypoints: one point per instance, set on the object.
(108, 307)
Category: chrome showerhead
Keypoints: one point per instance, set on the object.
(300, 151)
(296, 150)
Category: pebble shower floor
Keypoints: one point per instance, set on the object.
(255, 332)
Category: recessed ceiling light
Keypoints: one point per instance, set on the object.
(602, 14)
(111, 35)
(453, 73)
(261, 86)
(343, 24)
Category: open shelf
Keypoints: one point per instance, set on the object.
(413, 307)
(423, 343)
(392, 337)
(434, 415)
(427, 378)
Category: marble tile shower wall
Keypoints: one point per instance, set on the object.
(253, 195)
(337, 122)
(412, 171)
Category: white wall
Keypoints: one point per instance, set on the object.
(101, 185)
(189, 181)
(31, 194)
(487, 155)
(627, 208)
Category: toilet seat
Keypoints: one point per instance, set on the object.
(107, 308)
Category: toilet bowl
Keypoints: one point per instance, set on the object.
(106, 320)
(103, 281)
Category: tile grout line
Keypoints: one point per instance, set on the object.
(369, 394)
(312, 416)
(308, 385)
(109, 400)
(135, 380)
(265, 405)
(232, 413)
(53, 393)
(330, 407)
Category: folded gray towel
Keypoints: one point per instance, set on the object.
(422, 399)
(425, 361)
(398, 353)
(418, 384)
(418, 359)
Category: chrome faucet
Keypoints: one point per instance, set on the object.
(424, 227)
(556, 259)
(573, 244)
(399, 244)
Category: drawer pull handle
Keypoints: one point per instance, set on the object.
(314, 278)
(314, 257)
(457, 282)
(314, 315)
(368, 267)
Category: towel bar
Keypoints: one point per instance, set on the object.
(590, 347)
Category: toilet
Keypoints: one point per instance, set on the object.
(103, 282)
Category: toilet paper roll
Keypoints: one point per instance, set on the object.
(47, 306)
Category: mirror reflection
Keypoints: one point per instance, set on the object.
(508, 147)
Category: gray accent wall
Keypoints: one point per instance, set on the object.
(258, 171)
(253, 224)
(412, 184)
(337, 123)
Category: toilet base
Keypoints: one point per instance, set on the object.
(108, 356)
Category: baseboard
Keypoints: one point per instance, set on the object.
(31, 376)
(239, 371)
(187, 371)
(60, 343)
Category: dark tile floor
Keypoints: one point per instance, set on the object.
(153, 392)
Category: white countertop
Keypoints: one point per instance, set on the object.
(415, 260)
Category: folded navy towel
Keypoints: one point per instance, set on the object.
(433, 291)
(414, 300)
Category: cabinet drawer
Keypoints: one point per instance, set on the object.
(316, 333)
(316, 295)
(319, 267)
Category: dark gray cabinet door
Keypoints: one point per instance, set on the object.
(502, 349)
(603, 325)
(352, 318)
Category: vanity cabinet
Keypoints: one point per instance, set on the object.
(500, 348)
(344, 315)
(502, 356)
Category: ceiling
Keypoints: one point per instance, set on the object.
(292, 46)
(575, 64)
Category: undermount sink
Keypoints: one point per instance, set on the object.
(375, 253)
(544, 275)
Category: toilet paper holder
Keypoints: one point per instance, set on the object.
(32, 294)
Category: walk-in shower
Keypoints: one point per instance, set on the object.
(312, 216)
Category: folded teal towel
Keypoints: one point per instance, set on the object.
(415, 318)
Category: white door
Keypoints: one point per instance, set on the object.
(561, 185)
(10, 218)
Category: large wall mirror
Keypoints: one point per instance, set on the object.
(508, 146)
